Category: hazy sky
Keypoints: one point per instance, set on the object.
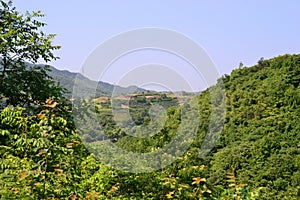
(230, 31)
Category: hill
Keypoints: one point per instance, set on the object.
(87, 86)
(257, 155)
(258, 152)
(261, 135)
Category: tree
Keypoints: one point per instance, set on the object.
(22, 45)
(40, 154)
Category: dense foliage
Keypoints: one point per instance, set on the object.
(256, 157)
(22, 44)
(261, 139)
(42, 155)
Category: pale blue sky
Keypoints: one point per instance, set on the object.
(230, 31)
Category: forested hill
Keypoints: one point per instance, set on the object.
(256, 157)
(258, 153)
(85, 85)
(261, 136)
(51, 149)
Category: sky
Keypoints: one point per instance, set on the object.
(230, 31)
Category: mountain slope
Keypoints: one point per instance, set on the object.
(258, 152)
(256, 157)
(261, 136)
(86, 86)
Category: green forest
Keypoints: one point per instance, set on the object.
(44, 154)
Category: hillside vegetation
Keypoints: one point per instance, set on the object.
(256, 157)
(85, 87)
(49, 146)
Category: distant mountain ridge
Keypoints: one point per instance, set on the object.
(86, 87)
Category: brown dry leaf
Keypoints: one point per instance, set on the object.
(41, 152)
(231, 181)
(73, 197)
(63, 163)
(242, 185)
(41, 116)
(35, 171)
(59, 171)
(23, 174)
(197, 180)
(69, 145)
(75, 141)
(49, 101)
(45, 134)
(113, 189)
(52, 105)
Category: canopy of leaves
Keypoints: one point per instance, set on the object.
(41, 156)
(22, 44)
(256, 157)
